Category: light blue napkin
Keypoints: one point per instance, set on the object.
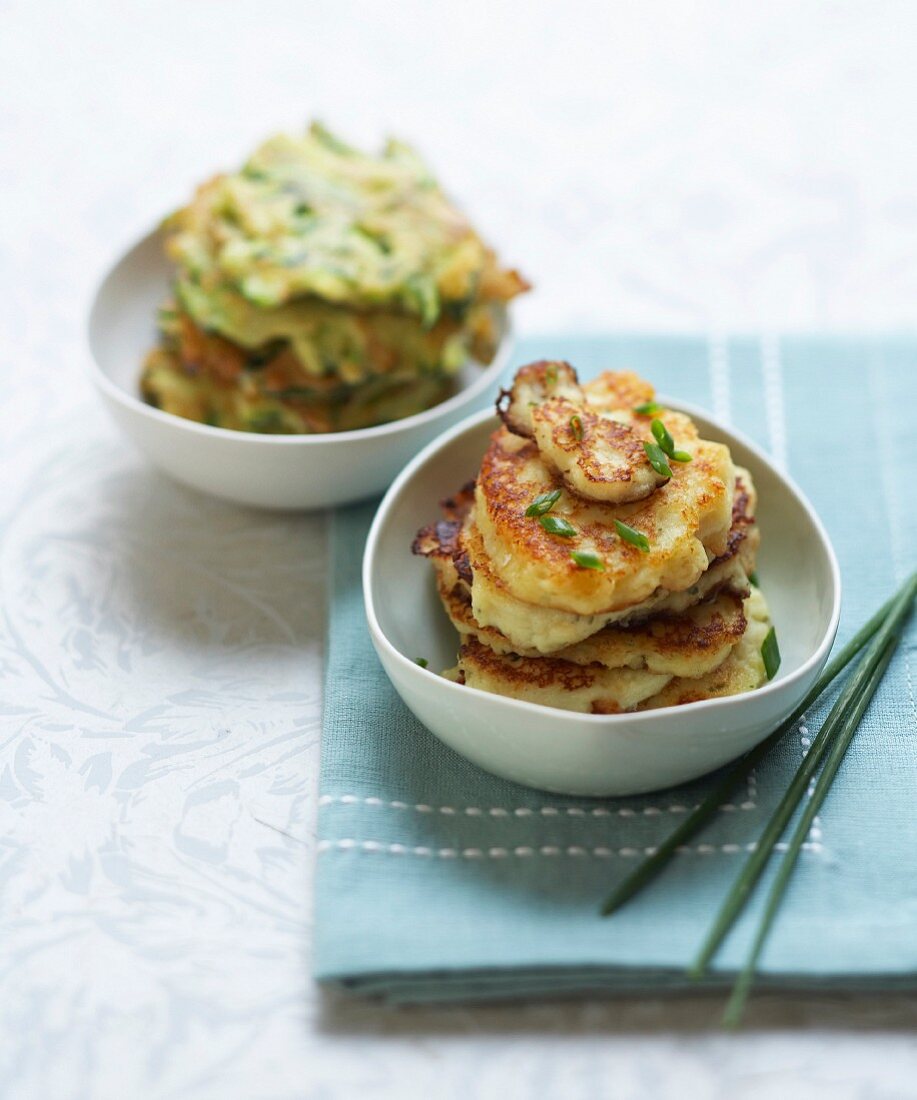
(438, 882)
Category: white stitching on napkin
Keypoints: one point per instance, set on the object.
(876, 375)
(529, 811)
(547, 850)
(772, 375)
(775, 415)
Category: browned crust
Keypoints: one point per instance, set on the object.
(742, 522)
(666, 633)
(528, 672)
(597, 432)
(460, 504)
(506, 502)
(437, 540)
(682, 632)
(620, 389)
(501, 284)
(542, 377)
(442, 539)
(605, 706)
(203, 352)
(716, 684)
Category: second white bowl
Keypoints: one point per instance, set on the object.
(586, 754)
(267, 471)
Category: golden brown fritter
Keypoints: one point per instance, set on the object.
(689, 644)
(528, 628)
(686, 522)
(553, 682)
(597, 456)
(743, 670)
(532, 385)
(575, 579)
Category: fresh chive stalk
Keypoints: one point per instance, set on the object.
(663, 437)
(576, 427)
(736, 1004)
(586, 559)
(753, 578)
(770, 654)
(648, 408)
(422, 661)
(635, 538)
(544, 502)
(648, 869)
(657, 459)
(555, 525)
(666, 443)
(843, 707)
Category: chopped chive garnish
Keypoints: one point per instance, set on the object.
(550, 374)
(585, 559)
(554, 525)
(635, 538)
(770, 654)
(422, 661)
(680, 456)
(753, 577)
(576, 426)
(648, 408)
(663, 437)
(544, 502)
(657, 459)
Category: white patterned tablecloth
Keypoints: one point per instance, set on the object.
(718, 166)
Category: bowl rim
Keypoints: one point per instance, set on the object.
(815, 660)
(489, 373)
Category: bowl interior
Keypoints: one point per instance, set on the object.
(794, 563)
(122, 322)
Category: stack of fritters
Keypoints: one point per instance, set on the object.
(322, 289)
(588, 569)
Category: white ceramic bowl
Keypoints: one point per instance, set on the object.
(586, 754)
(269, 471)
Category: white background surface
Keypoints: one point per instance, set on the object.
(649, 165)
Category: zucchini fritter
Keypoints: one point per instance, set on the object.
(322, 289)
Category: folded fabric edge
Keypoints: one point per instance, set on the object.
(442, 987)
